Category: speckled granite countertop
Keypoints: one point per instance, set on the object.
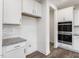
(11, 41)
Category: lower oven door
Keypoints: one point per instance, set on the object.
(67, 39)
(67, 28)
(60, 38)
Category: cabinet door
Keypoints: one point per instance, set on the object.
(0, 47)
(67, 14)
(76, 43)
(12, 11)
(18, 53)
(37, 8)
(60, 16)
(28, 6)
(1, 6)
(76, 16)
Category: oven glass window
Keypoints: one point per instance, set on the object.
(67, 38)
(60, 28)
(60, 37)
(67, 28)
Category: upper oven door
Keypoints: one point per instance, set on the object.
(65, 26)
(67, 39)
(60, 27)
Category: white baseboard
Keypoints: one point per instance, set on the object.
(67, 47)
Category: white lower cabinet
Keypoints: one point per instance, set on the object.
(1, 3)
(14, 51)
(0, 48)
(65, 46)
(76, 43)
(18, 53)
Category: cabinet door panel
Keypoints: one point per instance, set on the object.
(0, 47)
(32, 7)
(28, 6)
(18, 53)
(1, 7)
(68, 14)
(37, 8)
(60, 16)
(76, 16)
(76, 43)
(1, 2)
(12, 11)
(65, 14)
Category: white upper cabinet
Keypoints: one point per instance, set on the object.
(1, 9)
(65, 14)
(76, 16)
(59, 16)
(37, 8)
(1, 13)
(12, 11)
(27, 6)
(32, 7)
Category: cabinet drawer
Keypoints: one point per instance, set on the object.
(15, 46)
(17, 53)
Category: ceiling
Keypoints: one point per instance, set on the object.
(64, 3)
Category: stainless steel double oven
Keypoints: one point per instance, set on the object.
(65, 32)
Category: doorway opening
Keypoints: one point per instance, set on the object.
(51, 18)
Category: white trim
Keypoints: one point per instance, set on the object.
(55, 23)
(55, 27)
(53, 6)
(67, 47)
(55, 30)
(48, 28)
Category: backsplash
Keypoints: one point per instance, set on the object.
(11, 30)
